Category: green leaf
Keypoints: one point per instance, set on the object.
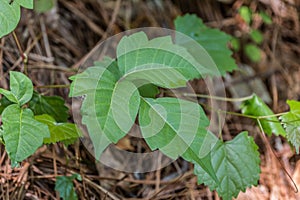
(58, 131)
(21, 88)
(51, 105)
(22, 134)
(177, 128)
(109, 64)
(158, 61)
(253, 52)
(235, 43)
(64, 185)
(113, 104)
(212, 40)
(4, 102)
(148, 90)
(43, 5)
(236, 164)
(265, 17)
(256, 107)
(291, 123)
(256, 36)
(246, 13)
(25, 3)
(1, 135)
(10, 12)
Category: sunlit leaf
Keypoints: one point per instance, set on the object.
(246, 13)
(10, 12)
(21, 88)
(214, 41)
(291, 123)
(256, 107)
(22, 134)
(177, 128)
(59, 132)
(236, 164)
(253, 52)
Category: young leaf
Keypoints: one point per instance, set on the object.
(212, 40)
(43, 5)
(51, 105)
(253, 52)
(256, 107)
(236, 164)
(157, 58)
(256, 36)
(10, 14)
(64, 185)
(265, 17)
(246, 13)
(58, 131)
(21, 88)
(291, 123)
(22, 134)
(169, 122)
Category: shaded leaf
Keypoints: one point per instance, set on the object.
(59, 132)
(291, 123)
(51, 105)
(64, 185)
(212, 40)
(256, 107)
(22, 134)
(4, 102)
(236, 164)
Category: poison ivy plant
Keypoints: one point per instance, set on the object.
(64, 185)
(21, 132)
(212, 40)
(256, 107)
(236, 164)
(291, 123)
(10, 14)
(113, 98)
(111, 105)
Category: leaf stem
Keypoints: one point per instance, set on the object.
(53, 86)
(219, 98)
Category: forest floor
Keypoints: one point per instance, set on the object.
(56, 43)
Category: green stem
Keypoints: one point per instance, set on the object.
(53, 86)
(218, 98)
